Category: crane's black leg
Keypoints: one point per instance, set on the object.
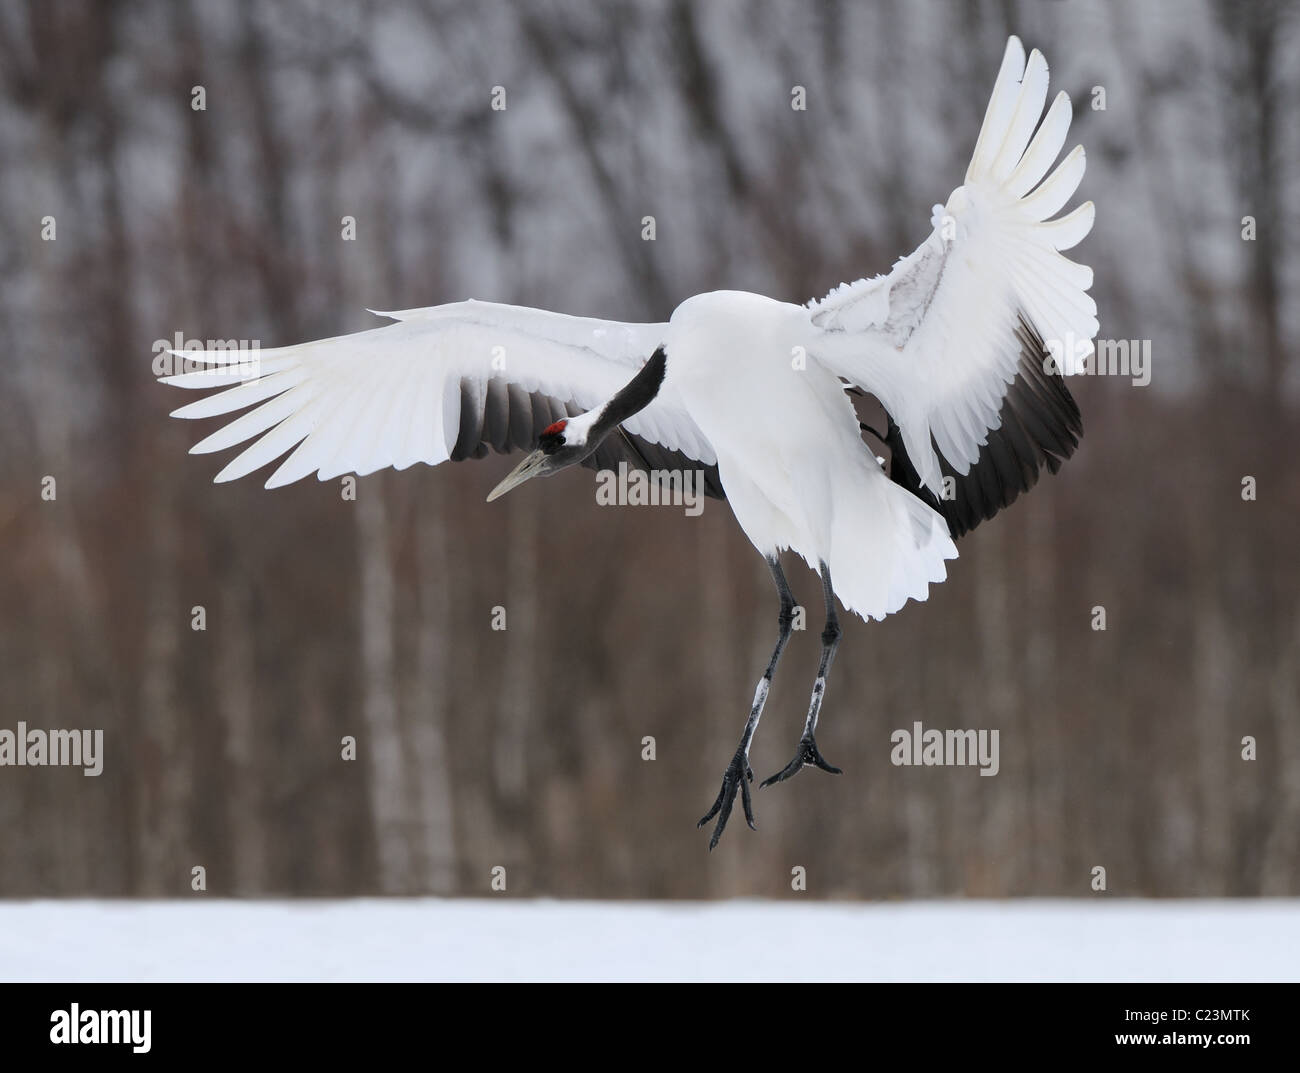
(738, 773)
(807, 755)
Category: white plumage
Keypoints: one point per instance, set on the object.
(790, 451)
(934, 340)
(391, 396)
(953, 343)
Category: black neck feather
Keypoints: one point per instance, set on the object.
(634, 396)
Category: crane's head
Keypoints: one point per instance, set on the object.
(560, 445)
(572, 439)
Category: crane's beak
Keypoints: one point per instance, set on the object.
(531, 466)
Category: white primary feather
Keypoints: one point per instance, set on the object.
(935, 339)
(390, 396)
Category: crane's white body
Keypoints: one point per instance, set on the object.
(791, 455)
(751, 383)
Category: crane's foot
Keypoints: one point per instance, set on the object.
(805, 756)
(738, 775)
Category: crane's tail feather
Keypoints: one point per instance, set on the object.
(887, 546)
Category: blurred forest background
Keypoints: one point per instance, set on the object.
(475, 748)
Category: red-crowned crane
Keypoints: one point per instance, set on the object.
(964, 344)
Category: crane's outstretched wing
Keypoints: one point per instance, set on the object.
(965, 341)
(440, 384)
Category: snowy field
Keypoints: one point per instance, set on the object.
(429, 939)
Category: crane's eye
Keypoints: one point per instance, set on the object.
(552, 437)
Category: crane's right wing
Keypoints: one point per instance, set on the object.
(443, 383)
(965, 342)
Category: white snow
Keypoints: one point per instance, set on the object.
(485, 940)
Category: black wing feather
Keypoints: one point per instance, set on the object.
(503, 417)
(1040, 428)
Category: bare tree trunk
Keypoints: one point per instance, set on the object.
(1011, 839)
(1038, 711)
(1212, 660)
(510, 744)
(429, 726)
(235, 670)
(382, 745)
(163, 799)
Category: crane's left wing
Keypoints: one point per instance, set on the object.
(966, 340)
(443, 383)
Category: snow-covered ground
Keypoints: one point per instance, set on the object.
(430, 939)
